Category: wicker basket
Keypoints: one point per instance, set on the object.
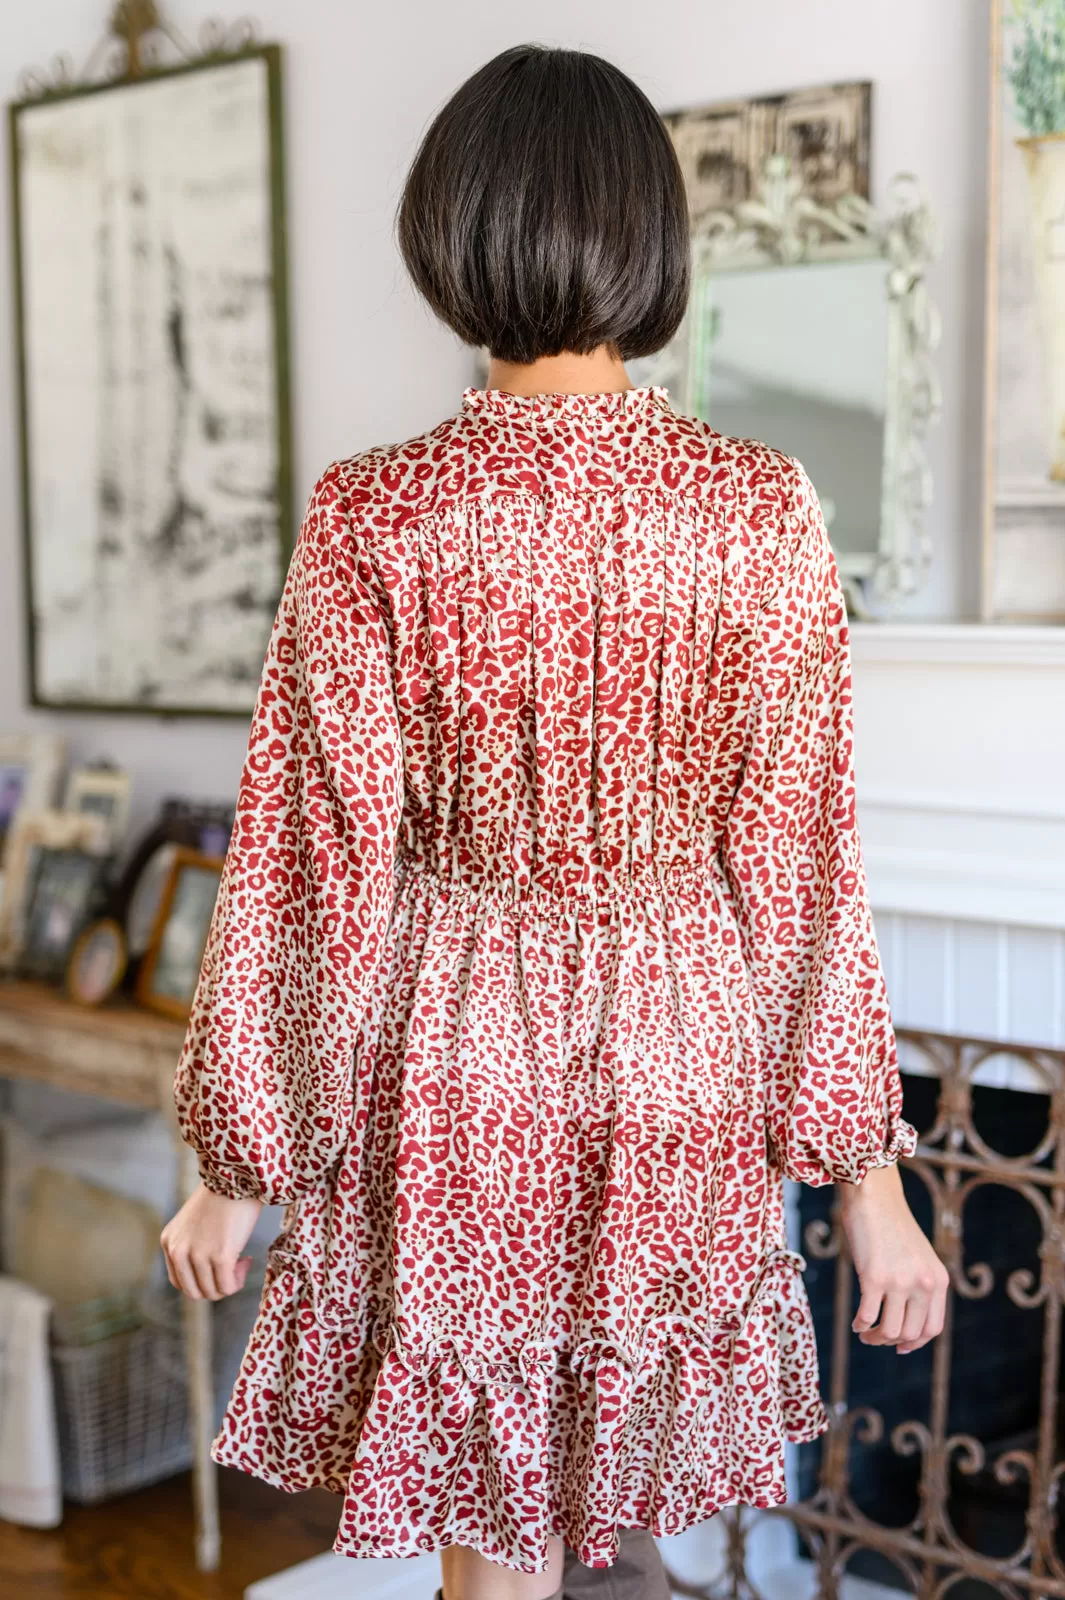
(122, 1401)
(122, 1413)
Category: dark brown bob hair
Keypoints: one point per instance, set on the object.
(545, 211)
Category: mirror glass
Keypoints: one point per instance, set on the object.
(797, 356)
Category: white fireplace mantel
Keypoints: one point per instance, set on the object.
(987, 645)
(960, 754)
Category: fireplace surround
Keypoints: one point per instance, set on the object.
(941, 1477)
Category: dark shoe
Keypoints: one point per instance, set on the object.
(638, 1572)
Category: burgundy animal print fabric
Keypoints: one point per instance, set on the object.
(542, 954)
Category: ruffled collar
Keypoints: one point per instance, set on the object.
(549, 407)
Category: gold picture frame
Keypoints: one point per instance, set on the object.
(97, 962)
(170, 969)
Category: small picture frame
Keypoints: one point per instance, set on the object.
(61, 900)
(168, 975)
(97, 962)
(30, 765)
(34, 831)
(101, 791)
(205, 827)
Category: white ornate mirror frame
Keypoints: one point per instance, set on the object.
(785, 228)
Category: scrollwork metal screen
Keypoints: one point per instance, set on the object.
(1004, 1325)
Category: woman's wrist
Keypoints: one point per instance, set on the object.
(880, 1186)
(229, 1183)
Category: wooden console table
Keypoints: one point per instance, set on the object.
(123, 1053)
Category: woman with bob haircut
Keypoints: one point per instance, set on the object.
(543, 950)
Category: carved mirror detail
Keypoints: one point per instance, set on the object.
(810, 327)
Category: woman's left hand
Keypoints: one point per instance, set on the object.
(904, 1284)
(202, 1244)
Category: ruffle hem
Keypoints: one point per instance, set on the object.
(431, 1442)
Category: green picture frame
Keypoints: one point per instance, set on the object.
(162, 641)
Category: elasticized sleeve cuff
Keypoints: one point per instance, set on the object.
(817, 1169)
(233, 1182)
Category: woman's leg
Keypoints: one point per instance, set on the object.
(470, 1576)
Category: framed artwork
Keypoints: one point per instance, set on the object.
(168, 975)
(62, 895)
(34, 832)
(152, 343)
(101, 791)
(1024, 391)
(203, 827)
(30, 765)
(723, 147)
(97, 962)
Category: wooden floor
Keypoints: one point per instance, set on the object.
(140, 1547)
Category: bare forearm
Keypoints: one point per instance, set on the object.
(903, 1282)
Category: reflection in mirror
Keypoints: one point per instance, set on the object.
(799, 359)
(810, 327)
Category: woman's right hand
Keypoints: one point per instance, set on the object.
(903, 1282)
(202, 1244)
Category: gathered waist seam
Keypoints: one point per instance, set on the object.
(675, 879)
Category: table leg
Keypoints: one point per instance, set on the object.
(201, 1422)
(196, 1317)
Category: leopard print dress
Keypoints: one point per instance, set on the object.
(542, 954)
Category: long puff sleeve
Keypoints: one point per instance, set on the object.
(792, 854)
(264, 1087)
